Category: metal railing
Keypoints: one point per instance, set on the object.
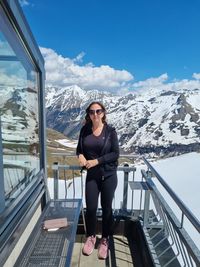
(168, 241)
(164, 231)
(70, 173)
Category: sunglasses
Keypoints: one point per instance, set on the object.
(93, 111)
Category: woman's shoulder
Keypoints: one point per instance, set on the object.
(85, 127)
(110, 128)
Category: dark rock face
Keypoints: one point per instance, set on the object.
(171, 150)
(142, 122)
(64, 121)
(185, 132)
(158, 134)
(168, 93)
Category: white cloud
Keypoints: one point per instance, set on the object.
(152, 82)
(12, 80)
(196, 76)
(79, 58)
(24, 3)
(160, 83)
(63, 71)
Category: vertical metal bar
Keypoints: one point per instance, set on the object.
(125, 191)
(146, 208)
(65, 179)
(141, 195)
(132, 193)
(56, 177)
(83, 215)
(181, 248)
(65, 187)
(74, 189)
(42, 117)
(82, 185)
(2, 194)
(42, 121)
(182, 219)
(191, 261)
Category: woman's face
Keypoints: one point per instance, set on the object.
(96, 113)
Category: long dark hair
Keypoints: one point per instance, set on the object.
(87, 116)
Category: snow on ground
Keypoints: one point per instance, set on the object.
(182, 174)
(67, 143)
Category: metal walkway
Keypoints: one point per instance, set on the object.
(55, 248)
(119, 254)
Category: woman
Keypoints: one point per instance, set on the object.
(98, 152)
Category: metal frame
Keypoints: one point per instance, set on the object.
(15, 15)
(186, 212)
(57, 168)
(2, 194)
(14, 219)
(8, 58)
(10, 213)
(169, 230)
(15, 223)
(21, 27)
(60, 252)
(19, 23)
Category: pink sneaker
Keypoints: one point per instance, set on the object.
(89, 245)
(103, 249)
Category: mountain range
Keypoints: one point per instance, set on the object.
(18, 114)
(156, 122)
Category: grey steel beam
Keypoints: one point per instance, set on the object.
(2, 194)
(8, 58)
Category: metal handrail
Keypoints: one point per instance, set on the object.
(76, 167)
(56, 167)
(191, 217)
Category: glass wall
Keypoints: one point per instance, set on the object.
(19, 94)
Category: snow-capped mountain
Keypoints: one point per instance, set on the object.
(66, 107)
(162, 122)
(19, 114)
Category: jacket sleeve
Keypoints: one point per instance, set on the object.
(113, 155)
(79, 148)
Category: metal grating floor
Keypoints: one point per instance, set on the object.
(47, 249)
(52, 249)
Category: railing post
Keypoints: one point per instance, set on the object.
(146, 208)
(132, 192)
(2, 193)
(56, 177)
(125, 191)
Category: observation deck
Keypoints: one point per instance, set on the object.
(147, 232)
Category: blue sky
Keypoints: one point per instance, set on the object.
(134, 41)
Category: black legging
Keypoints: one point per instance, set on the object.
(106, 187)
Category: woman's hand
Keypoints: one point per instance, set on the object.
(82, 160)
(91, 163)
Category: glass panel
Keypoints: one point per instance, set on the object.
(18, 112)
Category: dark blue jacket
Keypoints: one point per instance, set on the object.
(108, 159)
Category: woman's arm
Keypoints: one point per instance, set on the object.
(82, 160)
(91, 163)
(79, 150)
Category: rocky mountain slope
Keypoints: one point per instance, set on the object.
(17, 111)
(154, 121)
